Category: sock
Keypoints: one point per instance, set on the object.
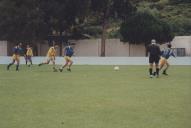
(17, 67)
(150, 71)
(8, 66)
(157, 71)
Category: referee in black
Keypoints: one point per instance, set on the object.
(154, 57)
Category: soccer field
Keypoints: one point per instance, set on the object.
(94, 97)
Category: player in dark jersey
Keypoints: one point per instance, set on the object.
(154, 57)
(17, 50)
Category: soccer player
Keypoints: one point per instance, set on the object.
(154, 57)
(17, 51)
(164, 57)
(51, 56)
(29, 54)
(68, 52)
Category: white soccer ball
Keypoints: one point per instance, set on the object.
(116, 68)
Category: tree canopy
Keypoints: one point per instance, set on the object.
(110, 9)
(35, 19)
(174, 12)
(143, 27)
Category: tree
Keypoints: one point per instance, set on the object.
(20, 20)
(110, 9)
(143, 27)
(179, 1)
(61, 15)
(32, 20)
(174, 12)
(36, 19)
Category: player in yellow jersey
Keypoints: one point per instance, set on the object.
(51, 56)
(29, 54)
(166, 54)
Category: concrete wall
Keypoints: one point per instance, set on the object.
(114, 48)
(183, 42)
(3, 48)
(92, 47)
(103, 60)
(43, 48)
(86, 47)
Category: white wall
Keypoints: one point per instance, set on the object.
(86, 47)
(103, 60)
(113, 47)
(183, 42)
(3, 48)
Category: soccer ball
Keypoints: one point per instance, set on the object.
(116, 68)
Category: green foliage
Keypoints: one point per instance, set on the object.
(35, 19)
(179, 1)
(174, 12)
(178, 15)
(143, 27)
(112, 8)
(20, 19)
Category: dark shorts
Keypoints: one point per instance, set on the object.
(28, 57)
(154, 59)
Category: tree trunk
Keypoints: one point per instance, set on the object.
(104, 28)
(103, 38)
(146, 51)
(60, 43)
(60, 49)
(129, 49)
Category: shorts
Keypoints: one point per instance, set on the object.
(154, 59)
(28, 57)
(163, 61)
(16, 57)
(50, 58)
(67, 58)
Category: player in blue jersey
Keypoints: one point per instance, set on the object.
(67, 56)
(17, 51)
(164, 57)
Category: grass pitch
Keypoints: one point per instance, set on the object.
(94, 97)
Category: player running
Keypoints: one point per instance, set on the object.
(154, 57)
(17, 51)
(67, 56)
(51, 56)
(29, 54)
(164, 57)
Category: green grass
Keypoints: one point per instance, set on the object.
(94, 97)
